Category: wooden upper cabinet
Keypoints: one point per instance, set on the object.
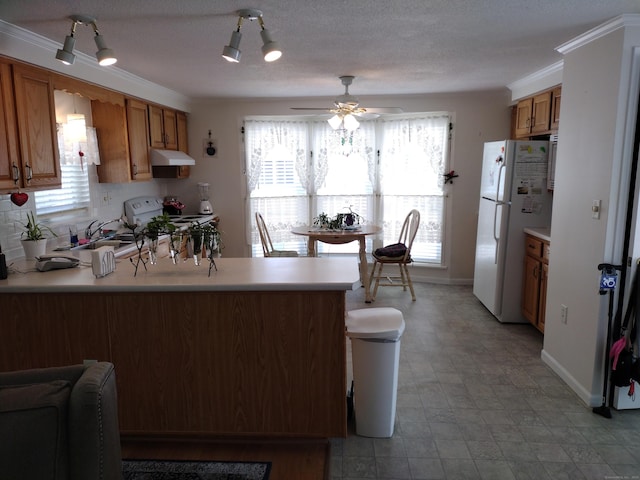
(138, 128)
(524, 111)
(556, 96)
(182, 171)
(36, 121)
(123, 139)
(9, 156)
(163, 128)
(537, 115)
(541, 113)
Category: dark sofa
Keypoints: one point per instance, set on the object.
(60, 423)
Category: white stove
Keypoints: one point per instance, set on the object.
(140, 210)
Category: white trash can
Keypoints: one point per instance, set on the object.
(375, 346)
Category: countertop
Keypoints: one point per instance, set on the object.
(543, 233)
(233, 274)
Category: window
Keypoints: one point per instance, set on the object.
(298, 169)
(74, 193)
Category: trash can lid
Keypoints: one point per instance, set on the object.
(379, 322)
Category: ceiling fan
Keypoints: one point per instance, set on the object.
(346, 107)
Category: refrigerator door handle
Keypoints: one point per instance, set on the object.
(495, 236)
(500, 170)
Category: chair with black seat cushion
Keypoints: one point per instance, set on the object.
(396, 254)
(60, 423)
(265, 239)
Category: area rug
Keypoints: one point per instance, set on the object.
(186, 470)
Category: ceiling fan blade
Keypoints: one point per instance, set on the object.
(311, 108)
(383, 109)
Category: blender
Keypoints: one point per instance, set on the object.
(205, 204)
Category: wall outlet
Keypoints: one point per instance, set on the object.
(564, 310)
(106, 199)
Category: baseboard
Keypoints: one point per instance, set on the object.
(589, 398)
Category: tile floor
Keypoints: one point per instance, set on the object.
(476, 402)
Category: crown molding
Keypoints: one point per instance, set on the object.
(537, 81)
(24, 45)
(621, 21)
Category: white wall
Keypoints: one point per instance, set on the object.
(598, 116)
(479, 117)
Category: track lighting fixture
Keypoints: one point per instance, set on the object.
(104, 55)
(270, 49)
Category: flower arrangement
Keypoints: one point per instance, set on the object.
(339, 222)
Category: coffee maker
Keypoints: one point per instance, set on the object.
(205, 204)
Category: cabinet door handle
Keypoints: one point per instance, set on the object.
(16, 173)
(135, 169)
(29, 172)
(535, 272)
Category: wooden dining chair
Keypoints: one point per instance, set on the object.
(265, 239)
(403, 260)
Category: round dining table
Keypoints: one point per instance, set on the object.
(358, 234)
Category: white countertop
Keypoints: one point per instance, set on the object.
(544, 233)
(233, 274)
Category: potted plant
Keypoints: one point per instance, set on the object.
(155, 227)
(33, 239)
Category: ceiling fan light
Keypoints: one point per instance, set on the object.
(104, 55)
(335, 122)
(231, 52)
(350, 122)
(270, 49)
(65, 55)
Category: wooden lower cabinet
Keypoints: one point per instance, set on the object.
(534, 282)
(198, 364)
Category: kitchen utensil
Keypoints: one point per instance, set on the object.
(205, 204)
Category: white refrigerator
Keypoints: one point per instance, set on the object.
(513, 196)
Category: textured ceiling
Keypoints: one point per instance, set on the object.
(392, 47)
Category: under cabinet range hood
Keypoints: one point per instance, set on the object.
(169, 158)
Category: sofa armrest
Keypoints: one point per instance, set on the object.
(94, 433)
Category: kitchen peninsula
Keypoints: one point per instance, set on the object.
(256, 349)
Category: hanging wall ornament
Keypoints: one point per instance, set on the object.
(19, 198)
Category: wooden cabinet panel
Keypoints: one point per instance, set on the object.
(542, 303)
(9, 156)
(218, 362)
(163, 128)
(541, 113)
(123, 140)
(110, 122)
(182, 171)
(530, 289)
(138, 129)
(534, 281)
(556, 96)
(537, 115)
(156, 129)
(35, 112)
(34, 339)
(199, 364)
(523, 117)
